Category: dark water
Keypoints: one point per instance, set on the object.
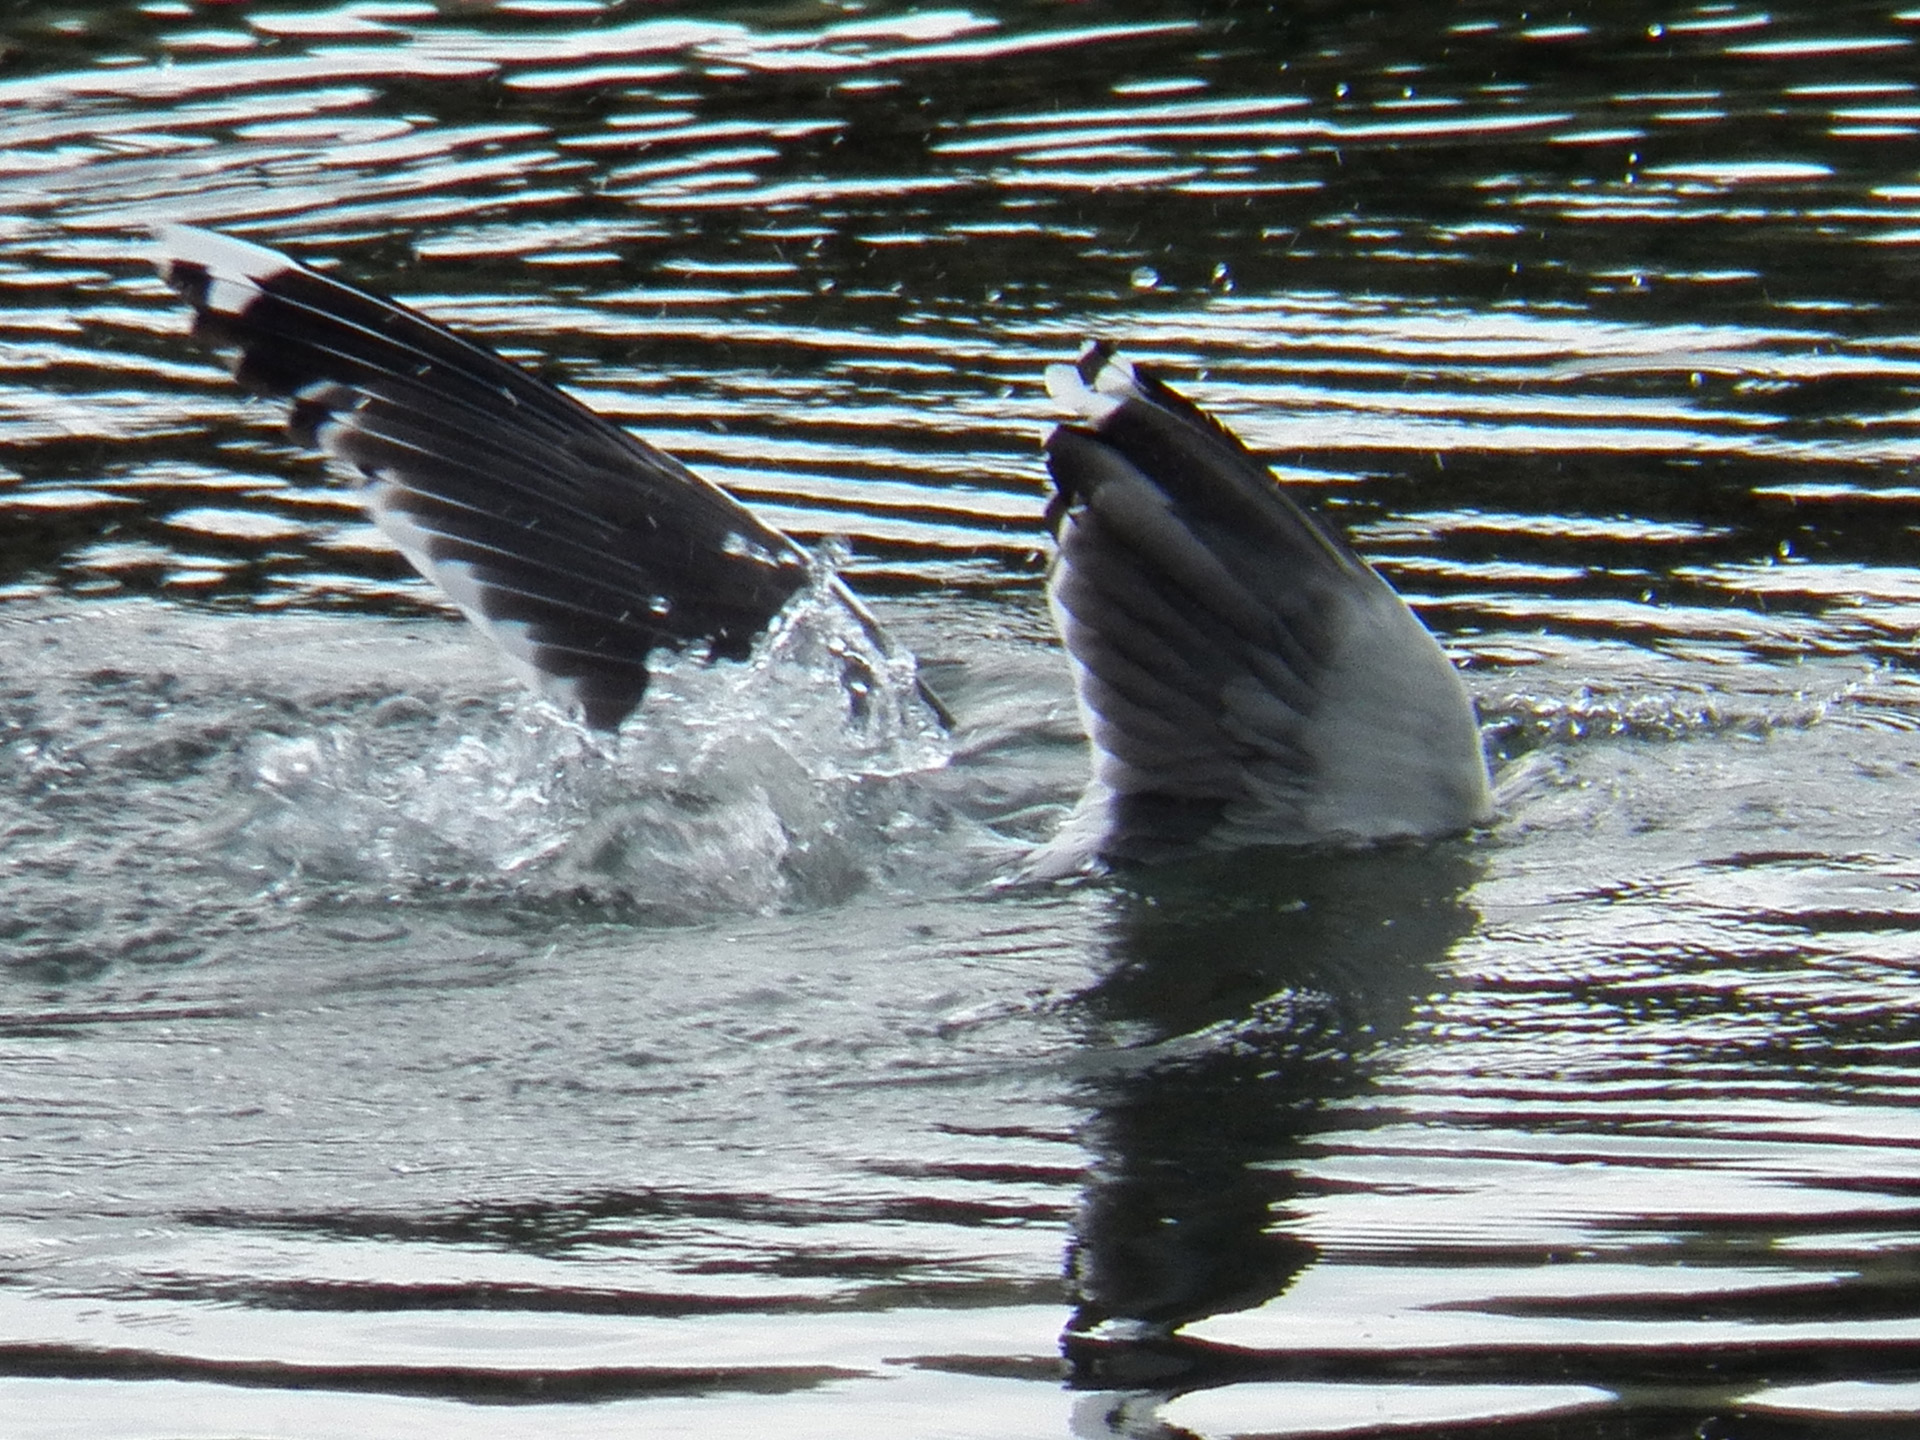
(381, 1059)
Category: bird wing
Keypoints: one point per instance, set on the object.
(580, 549)
(1245, 677)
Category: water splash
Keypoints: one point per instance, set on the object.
(783, 782)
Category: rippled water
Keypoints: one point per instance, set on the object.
(382, 1057)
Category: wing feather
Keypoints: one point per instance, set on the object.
(1246, 678)
(577, 547)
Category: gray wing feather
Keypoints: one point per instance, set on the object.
(1246, 678)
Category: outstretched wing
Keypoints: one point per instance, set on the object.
(1246, 678)
(579, 548)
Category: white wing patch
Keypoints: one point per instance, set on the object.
(235, 268)
(1094, 388)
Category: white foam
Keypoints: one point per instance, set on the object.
(738, 787)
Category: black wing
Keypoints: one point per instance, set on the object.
(579, 548)
(1246, 678)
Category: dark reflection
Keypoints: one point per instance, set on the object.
(1244, 997)
(488, 1385)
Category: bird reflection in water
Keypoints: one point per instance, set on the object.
(1242, 999)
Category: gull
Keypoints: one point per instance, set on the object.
(1245, 678)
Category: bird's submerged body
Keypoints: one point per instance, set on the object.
(1245, 678)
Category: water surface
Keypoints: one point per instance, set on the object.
(381, 1057)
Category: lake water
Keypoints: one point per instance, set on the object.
(379, 1057)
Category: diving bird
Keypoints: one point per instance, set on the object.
(1245, 678)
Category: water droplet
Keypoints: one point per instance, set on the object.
(1145, 278)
